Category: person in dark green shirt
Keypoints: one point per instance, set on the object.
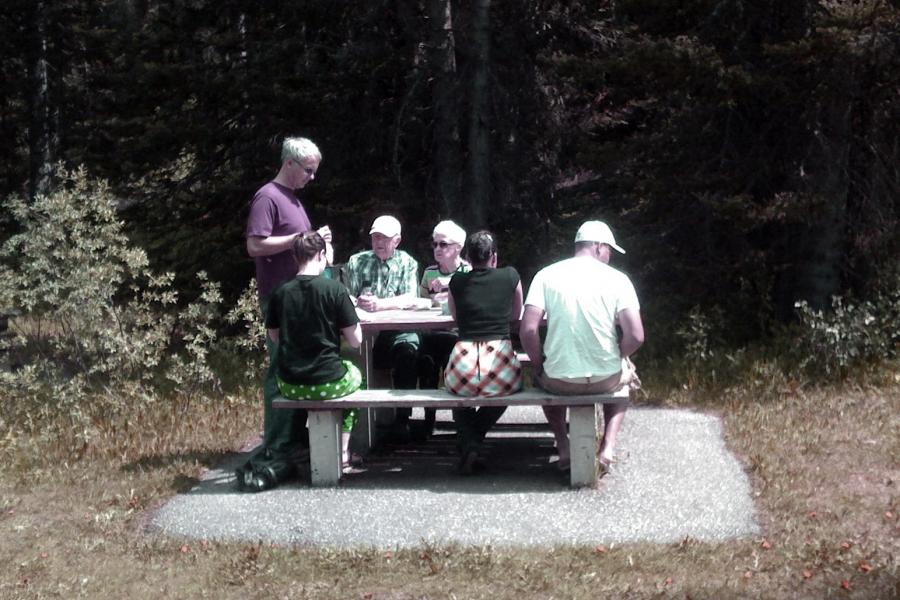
(307, 317)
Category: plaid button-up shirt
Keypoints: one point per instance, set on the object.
(395, 276)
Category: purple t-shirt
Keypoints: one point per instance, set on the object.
(275, 211)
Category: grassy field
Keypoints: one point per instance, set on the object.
(824, 465)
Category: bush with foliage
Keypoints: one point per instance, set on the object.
(98, 330)
(850, 334)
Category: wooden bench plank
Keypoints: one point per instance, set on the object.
(444, 399)
(325, 418)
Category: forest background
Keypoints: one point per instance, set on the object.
(745, 153)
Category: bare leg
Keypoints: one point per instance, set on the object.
(556, 417)
(345, 448)
(613, 415)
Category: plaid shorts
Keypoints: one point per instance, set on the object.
(483, 369)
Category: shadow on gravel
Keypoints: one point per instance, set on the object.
(674, 478)
(209, 459)
(519, 462)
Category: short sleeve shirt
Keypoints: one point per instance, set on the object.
(483, 300)
(309, 313)
(275, 211)
(396, 276)
(582, 298)
(434, 272)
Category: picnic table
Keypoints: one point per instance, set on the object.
(373, 323)
(325, 416)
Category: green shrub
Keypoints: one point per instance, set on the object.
(850, 335)
(94, 317)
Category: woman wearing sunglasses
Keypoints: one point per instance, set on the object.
(447, 240)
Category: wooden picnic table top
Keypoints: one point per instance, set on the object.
(399, 319)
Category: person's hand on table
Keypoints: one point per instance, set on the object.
(368, 302)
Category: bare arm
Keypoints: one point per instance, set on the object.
(353, 335)
(273, 335)
(632, 331)
(373, 304)
(451, 304)
(517, 302)
(267, 246)
(530, 336)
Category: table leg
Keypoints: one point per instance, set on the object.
(583, 445)
(325, 447)
(366, 422)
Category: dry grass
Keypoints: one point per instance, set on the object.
(823, 464)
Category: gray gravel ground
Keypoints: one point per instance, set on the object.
(673, 479)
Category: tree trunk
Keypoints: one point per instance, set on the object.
(42, 134)
(442, 56)
(826, 244)
(479, 117)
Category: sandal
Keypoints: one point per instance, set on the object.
(352, 465)
(605, 468)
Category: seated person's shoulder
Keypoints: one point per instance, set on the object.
(405, 257)
(359, 256)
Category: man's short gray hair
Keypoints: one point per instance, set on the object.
(298, 148)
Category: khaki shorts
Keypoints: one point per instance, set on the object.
(592, 385)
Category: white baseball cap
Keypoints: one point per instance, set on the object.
(597, 231)
(386, 225)
(453, 232)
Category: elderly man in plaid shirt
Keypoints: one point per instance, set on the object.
(386, 278)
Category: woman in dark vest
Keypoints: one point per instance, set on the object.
(483, 361)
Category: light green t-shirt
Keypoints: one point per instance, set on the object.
(582, 298)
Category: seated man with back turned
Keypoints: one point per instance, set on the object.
(385, 278)
(584, 299)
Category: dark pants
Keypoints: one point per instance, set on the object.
(398, 351)
(285, 436)
(433, 356)
(473, 424)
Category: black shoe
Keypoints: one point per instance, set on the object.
(262, 479)
(242, 475)
(468, 462)
(420, 432)
(400, 433)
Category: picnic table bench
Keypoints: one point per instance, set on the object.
(325, 419)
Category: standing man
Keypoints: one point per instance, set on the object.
(386, 278)
(584, 300)
(276, 218)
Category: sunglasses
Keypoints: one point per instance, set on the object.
(442, 244)
(309, 171)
